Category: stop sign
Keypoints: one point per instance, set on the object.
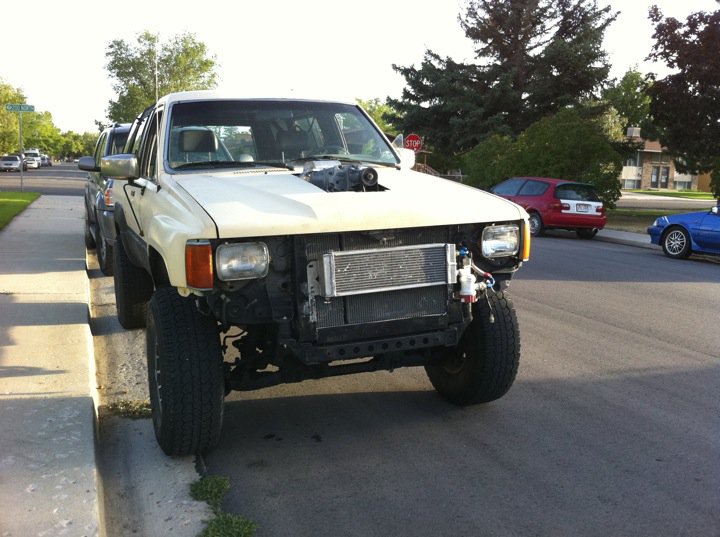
(414, 142)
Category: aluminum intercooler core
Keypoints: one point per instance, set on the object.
(388, 269)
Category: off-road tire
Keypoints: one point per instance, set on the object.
(104, 252)
(185, 374)
(676, 243)
(133, 289)
(484, 364)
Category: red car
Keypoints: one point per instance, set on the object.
(556, 204)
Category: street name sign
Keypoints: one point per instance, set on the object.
(19, 108)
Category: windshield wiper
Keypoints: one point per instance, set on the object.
(282, 165)
(322, 157)
(209, 164)
(227, 164)
(344, 158)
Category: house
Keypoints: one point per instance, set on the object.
(653, 167)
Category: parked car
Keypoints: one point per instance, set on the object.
(45, 161)
(680, 235)
(99, 203)
(32, 162)
(12, 163)
(556, 204)
(32, 157)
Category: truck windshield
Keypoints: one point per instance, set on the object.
(267, 131)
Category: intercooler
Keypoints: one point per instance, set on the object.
(358, 278)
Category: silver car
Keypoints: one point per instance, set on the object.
(12, 163)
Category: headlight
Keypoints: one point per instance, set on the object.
(242, 261)
(656, 223)
(500, 241)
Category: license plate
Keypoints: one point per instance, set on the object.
(582, 208)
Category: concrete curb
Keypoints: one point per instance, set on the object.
(627, 238)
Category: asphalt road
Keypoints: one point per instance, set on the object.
(612, 427)
(63, 179)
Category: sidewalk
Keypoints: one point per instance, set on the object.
(48, 480)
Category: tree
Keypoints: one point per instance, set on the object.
(9, 121)
(381, 113)
(490, 162)
(565, 145)
(685, 105)
(630, 98)
(74, 145)
(534, 57)
(150, 69)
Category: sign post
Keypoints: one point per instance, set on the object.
(20, 108)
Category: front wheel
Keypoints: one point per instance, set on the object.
(536, 225)
(484, 364)
(676, 243)
(185, 374)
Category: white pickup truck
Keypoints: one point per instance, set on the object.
(267, 241)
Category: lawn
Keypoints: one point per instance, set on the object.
(635, 220)
(687, 194)
(13, 203)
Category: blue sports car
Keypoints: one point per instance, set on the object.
(683, 234)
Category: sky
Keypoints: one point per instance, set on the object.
(318, 48)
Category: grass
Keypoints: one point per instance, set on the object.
(212, 490)
(13, 203)
(687, 194)
(130, 409)
(635, 220)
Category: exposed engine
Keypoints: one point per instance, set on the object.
(332, 176)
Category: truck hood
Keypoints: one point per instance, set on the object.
(274, 202)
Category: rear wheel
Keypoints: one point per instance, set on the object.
(89, 239)
(104, 252)
(676, 243)
(484, 364)
(586, 233)
(185, 374)
(133, 289)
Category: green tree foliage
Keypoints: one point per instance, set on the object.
(534, 57)
(630, 98)
(685, 105)
(490, 162)
(74, 145)
(381, 113)
(38, 127)
(10, 121)
(564, 145)
(182, 64)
